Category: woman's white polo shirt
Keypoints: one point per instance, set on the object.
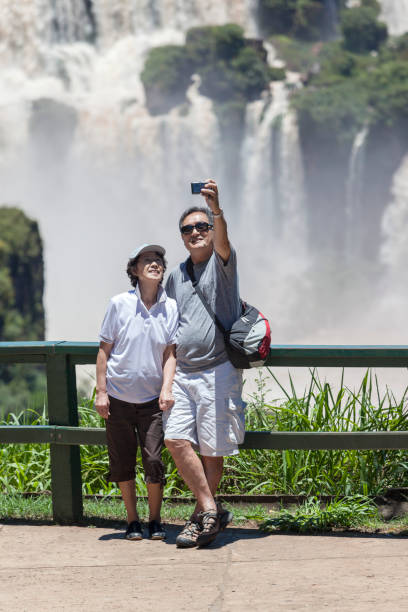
(139, 337)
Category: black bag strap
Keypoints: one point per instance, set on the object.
(190, 272)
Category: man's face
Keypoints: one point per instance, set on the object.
(149, 267)
(197, 241)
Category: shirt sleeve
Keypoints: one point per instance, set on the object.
(173, 324)
(230, 266)
(169, 287)
(109, 325)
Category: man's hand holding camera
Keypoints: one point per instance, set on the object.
(221, 242)
(210, 192)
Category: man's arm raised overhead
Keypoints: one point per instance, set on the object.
(221, 241)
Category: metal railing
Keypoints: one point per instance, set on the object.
(65, 436)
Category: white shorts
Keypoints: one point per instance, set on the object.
(208, 410)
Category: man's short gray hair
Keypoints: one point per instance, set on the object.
(196, 209)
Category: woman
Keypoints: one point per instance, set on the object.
(134, 375)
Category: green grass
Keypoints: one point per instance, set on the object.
(26, 467)
(357, 514)
(334, 472)
(313, 516)
(39, 508)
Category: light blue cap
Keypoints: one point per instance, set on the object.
(143, 248)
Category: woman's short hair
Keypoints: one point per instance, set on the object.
(133, 262)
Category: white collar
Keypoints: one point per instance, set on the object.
(161, 294)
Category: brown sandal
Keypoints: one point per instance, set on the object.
(210, 527)
(187, 538)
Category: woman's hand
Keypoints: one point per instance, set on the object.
(102, 404)
(166, 399)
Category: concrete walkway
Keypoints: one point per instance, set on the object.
(44, 568)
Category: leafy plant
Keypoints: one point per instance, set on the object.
(361, 30)
(325, 472)
(26, 467)
(313, 516)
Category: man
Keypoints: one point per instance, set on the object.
(208, 414)
(134, 374)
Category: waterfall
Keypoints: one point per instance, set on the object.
(90, 55)
(392, 294)
(29, 27)
(272, 207)
(79, 150)
(354, 191)
(394, 250)
(331, 19)
(395, 14)
(271, 164)
(115, 19)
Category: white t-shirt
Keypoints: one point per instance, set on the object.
(139, 337)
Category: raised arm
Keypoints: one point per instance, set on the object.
(221, 242)
(102, 399)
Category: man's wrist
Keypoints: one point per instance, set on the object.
(100, 391)
(218, 213)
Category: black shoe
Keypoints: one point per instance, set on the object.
(156, 531)
(134, 531)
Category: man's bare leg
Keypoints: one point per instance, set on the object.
(155, 498)
(192, 471)
(213, 467)
(127, 488)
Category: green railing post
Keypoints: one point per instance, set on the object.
(65, 459)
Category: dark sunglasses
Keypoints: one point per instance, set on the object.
(201, 226)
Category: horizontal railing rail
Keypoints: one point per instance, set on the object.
(269, 440)
(281, 355)
(64, 435)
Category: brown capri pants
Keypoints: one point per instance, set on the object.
(124, 420)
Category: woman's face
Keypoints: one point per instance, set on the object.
(149, 267)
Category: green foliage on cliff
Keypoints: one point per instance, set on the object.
(21, 277)
(21, 305)
(387, 89)
(166, 76)
(302, 19)
(298, 55)
(359, 79)
(233, 70)
(337, 110)
(361, 30)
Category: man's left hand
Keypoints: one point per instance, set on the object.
(166, 400)
(210, 192)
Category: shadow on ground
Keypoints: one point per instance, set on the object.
(230, 535)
